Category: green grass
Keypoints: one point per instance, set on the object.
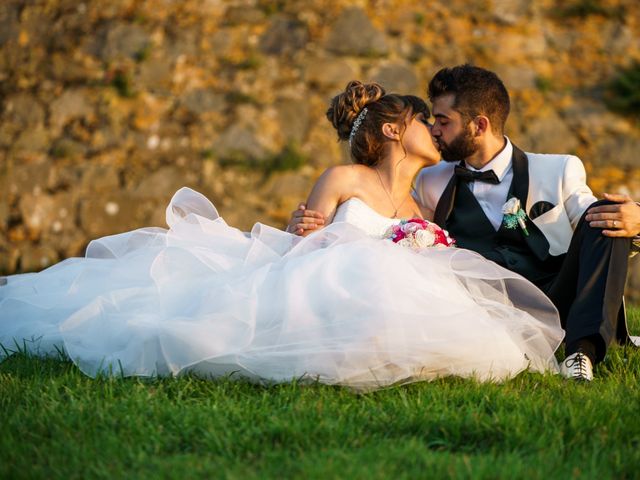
(57, 423)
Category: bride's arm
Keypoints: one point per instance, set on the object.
(327, 193)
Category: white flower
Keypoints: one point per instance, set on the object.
(425, 238)
(511, 207)
(406, 242)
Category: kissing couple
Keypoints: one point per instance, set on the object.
(367, 291)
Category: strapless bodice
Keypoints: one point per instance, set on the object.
(356, 212)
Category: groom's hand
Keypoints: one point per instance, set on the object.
(621, 219)
(304, 221)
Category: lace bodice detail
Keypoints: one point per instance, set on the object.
(358, 213)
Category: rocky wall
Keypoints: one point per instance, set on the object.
(107, 107)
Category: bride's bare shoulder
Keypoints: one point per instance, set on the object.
(344, 175)
(335, 185)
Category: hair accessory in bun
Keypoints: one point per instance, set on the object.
(357, 123)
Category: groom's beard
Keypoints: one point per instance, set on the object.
(459, 148)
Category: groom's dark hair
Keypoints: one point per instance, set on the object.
(477, 92)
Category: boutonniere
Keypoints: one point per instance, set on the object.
(514, 215)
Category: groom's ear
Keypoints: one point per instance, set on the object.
(391, 130)
(482, 125)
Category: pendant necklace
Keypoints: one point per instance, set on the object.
(395, 212)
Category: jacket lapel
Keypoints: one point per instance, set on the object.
(520, 189)
(445, 204)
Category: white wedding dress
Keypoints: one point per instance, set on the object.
(341, 306)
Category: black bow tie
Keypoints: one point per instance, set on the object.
(467, 175)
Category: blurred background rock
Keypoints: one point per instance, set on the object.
(107, 107)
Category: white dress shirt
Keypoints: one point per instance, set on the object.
(492, 197)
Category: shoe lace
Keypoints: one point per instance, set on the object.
(580, 360)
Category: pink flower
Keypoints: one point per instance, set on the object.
(411, 227)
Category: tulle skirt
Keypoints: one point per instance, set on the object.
(337, 307)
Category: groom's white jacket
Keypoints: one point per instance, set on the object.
(557, 195)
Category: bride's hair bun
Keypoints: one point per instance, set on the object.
(367, 144)
(346, 106)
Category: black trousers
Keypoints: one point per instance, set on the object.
(588, 289)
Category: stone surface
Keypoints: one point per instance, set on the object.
(124, 40)
(284, 36)
(293, 118)
(28, 177)
(37, 213)
(511, 47)
(24, 110)
(239, 141)
(68, 148)
(48, 215)
(36, 258)
(511, 12)
(155, 74)
(97, 177)
(620, 151)
(148, 111)
(330, 73)
(9, 256)
(165, 181)
(398, 77)
(200, 101)
(71, 104)
(549, 134)
(9, 23)
(32, 139)
(354, 34)
(4, 213)
(112, 212)
(107, 107)
(594, 121)
(517, 77)
(238, 15)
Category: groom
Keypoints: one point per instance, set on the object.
(559, 237)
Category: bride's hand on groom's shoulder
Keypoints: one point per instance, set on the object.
(304, 221)
(619, 219)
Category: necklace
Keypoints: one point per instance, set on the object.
(395, 212)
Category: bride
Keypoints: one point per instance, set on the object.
(341, 306)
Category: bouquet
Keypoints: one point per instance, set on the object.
(417, 233)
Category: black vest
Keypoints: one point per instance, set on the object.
(461, 214)
(471, 228)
